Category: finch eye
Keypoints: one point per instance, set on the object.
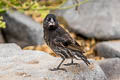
(49, 19)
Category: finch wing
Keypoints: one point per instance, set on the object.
(67, 42)
(75, 46)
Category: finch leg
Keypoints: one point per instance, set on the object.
(72, 63)
(58, 67)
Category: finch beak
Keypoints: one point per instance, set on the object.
(51, 22)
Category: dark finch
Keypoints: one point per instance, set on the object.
(61, 42)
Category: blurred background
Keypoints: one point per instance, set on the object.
(95, 24)
(21, 23)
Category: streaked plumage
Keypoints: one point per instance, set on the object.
(61, 42)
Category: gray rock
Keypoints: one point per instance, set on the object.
(111, 67)
(22, 30)
(35, 65)
(95, 19)
(10, 46)
(8, 50)
(1, 37)
(108, 49)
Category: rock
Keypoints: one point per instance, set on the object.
(1, 37)
(35, 65)
(94, 19)
(9, 50)
(111, 67)
(22, 30)
(9, 46)
(108, 49)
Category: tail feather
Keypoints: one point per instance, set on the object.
(84, 58)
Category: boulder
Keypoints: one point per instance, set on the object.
(94, 19)
(111, 67)
(22, 29)
(108, 49)
(9, 50)
(35, 65)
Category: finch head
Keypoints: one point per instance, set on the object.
(50, 21)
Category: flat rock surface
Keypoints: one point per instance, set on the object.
(94, 19)
(35, 65)
(22, 29)
(108, 49)
(111, 67)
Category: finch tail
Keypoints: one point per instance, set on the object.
(84, 58)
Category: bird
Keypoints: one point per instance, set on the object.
(61, 42)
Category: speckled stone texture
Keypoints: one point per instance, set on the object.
(17, 64)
